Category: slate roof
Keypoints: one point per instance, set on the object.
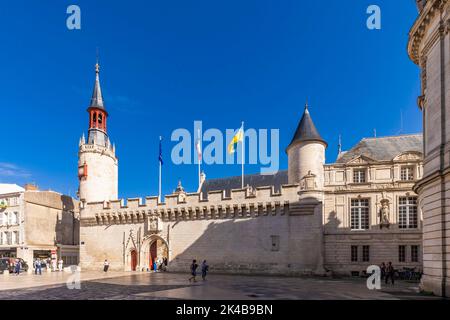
(97, 98)
(306, 130)
(253, 180)
(383, 148)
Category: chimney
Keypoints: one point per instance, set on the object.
(31, 187)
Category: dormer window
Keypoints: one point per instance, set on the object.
(407, 173)
(359, 175)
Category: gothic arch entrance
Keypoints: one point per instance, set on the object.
(133, 260)
(156, 249)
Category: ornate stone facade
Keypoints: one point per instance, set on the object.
(299, 221)
(429, 47)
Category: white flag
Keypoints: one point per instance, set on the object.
(199, 150)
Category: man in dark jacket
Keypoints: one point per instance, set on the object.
(194, 267)
(390, 273)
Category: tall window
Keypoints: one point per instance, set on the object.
(354, 253)
(366, 253)
(10, 218)
(1, 218)
(407, 173)
(16, 237)
(359, 214)
(359, 175)
(1, 238)
(8, 238)
(14, 217)
(401, 253)
(414, 253)
(407, 213)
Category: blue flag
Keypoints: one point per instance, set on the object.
(160, 151)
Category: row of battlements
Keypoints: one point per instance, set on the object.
(237, 196)
(97, 148)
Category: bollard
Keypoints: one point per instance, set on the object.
(6, 272)
(30, 271)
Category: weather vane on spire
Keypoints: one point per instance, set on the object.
(97, 66)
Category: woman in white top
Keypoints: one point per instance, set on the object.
(60, 264)
(105, 266)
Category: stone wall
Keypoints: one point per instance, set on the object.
(305, 157)
(258, 232)
(429, 47)
(50, 217)
(101, 182)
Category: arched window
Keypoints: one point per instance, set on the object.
(100, 118)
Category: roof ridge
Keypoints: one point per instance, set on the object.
(393, 136)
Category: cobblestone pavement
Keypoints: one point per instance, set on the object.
(142, 286)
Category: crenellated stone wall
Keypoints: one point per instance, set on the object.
(256, 231)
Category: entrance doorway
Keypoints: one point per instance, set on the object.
(133, 260)
(153, 255)
(158, 252)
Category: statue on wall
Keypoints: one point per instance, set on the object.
(384, 214)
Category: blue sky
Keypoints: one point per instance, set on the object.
(165, 64)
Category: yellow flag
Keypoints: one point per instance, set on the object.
(239, 136)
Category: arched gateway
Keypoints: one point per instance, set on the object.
(141, 258)
(154, 249)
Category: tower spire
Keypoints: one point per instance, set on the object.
(97, 114)
(97, 98)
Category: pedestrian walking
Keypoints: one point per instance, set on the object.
(155, 266)
(194, 267)
(105, 266)
(390, 273)
(60, 265)
(205, 269)
(54, 264)
(17, 267)
(383, 270)
(38, 266)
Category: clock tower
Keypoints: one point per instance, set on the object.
(97, 161)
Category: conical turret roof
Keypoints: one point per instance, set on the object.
(306, 130)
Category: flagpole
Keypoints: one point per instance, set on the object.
(159, 192)
(242, 153)
(199, 160)
(160, 171)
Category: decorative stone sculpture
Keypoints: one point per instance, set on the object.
(384, 214)
(153, 225)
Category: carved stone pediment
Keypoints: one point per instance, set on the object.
(361, 160)
(409, 156)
